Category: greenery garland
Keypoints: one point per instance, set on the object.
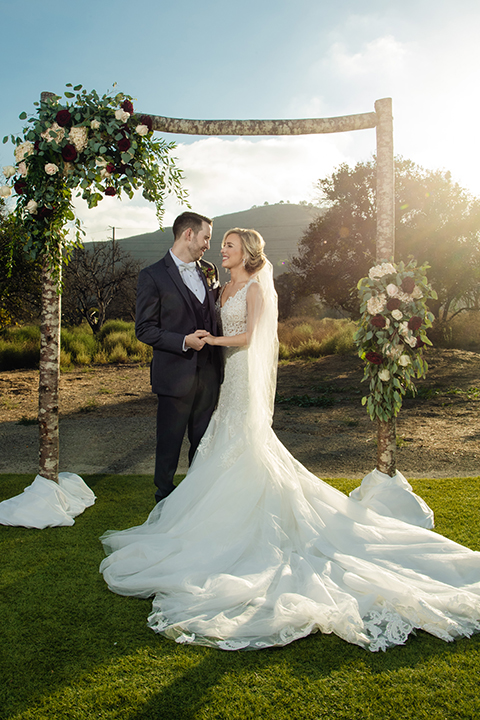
(392, 333)
(97, 145)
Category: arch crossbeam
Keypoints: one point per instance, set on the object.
(307, 126)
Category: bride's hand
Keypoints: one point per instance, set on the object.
(210, 339)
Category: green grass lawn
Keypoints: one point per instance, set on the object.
(70, 649)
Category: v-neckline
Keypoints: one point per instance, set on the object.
(230, 297)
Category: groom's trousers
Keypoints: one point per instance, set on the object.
(175, 416)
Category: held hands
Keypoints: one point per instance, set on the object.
(196, 340)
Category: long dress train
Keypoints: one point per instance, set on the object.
(252, 550)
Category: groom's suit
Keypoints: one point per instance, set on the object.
(186, 382)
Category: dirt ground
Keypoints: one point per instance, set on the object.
(108, 418)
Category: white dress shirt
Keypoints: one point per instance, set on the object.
(191, 277)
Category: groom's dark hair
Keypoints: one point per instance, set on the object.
(189, 220)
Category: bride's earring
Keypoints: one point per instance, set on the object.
(244, 262)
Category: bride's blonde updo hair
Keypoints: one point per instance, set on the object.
(252, 246)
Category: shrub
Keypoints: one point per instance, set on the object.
(315, 338)
(16, 353)
(118, 354)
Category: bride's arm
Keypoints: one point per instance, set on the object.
(254, 308)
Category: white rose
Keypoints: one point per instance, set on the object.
(376, 304)
(22, 169)
(397, 314)
(393, 352)
(51, 168)
(404, 360)
(392, 290)
(9, 171)
(142, 130)
(95, 124)
(122, 115)
(417, 293)
(31, 207)
(101, 162)
(104, 173)
(79, 137)
(384, 375)
(23, 150)
(412, 341)
(5, 191)
(403, 328)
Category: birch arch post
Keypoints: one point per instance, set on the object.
(95, 146)
(382, 120)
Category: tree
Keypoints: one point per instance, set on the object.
(436, 222)
(93, 279)
(19, 274)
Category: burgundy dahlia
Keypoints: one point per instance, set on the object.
(378, 321)
(110, 191)
(393, 304)
(408, 285)
(69, 153)
(124, 144)
(110, 168)
(45, 212)
(63, 117)
(420, 343)
(147, 120)
(20, 187)
(415, 323)
(374, 357)
(127, 106)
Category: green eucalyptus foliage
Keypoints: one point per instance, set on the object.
(392, 333)
(93, 145)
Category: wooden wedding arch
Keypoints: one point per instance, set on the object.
(381, 119)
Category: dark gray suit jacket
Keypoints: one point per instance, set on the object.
(164, 315)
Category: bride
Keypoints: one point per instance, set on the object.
(252, 550)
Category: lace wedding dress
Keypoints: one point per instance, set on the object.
(252, 550)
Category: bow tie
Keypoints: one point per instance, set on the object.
(187, 267)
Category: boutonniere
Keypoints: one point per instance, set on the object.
(210, 276)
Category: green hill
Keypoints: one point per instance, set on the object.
(281, 225)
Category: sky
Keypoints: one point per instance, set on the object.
(255, 59)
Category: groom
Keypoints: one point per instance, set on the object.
(175, 311)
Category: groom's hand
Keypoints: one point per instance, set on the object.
(196, 340)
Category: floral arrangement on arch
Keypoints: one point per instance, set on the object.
(96, 145)
(392, 333)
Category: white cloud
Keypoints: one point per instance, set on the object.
(225, 176)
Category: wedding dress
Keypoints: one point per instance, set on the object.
(252, 550)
